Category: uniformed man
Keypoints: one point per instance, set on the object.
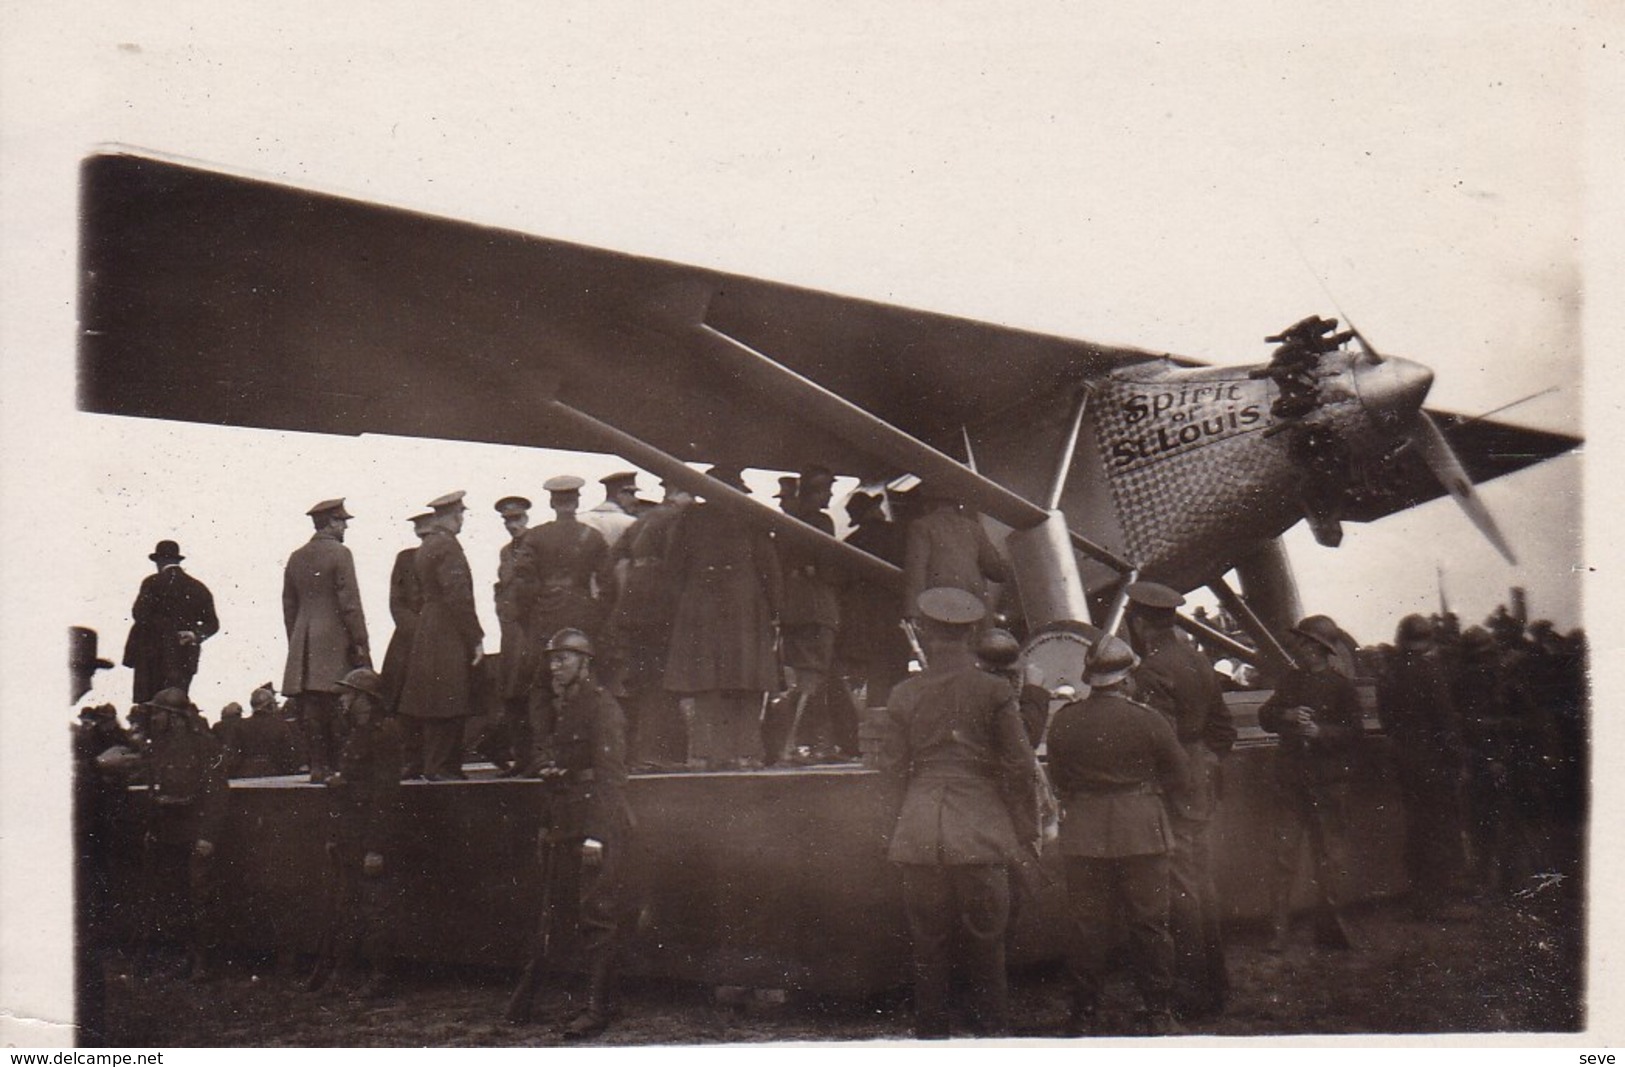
(955, 751)
(946, 547)
(185, 825)
(641, 622)
(557, 565)
(363, 808)
(870, 647)
(174, 615)
(1177, 680)
(228, 732)
(438, 690)
(512, 604)
(617, 513)
(1316, 712)
(585, 852)
(789, 491)
(808, 627)
(267, 746)
(1418, 713)
(405, 607)
(327, 630)
(1112, 760)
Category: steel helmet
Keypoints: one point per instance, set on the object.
(570, 640)
(998, 649)
(1415, 633)
(1110, 662)
(363, 680)
(1322, 631)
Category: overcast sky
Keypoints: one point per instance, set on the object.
(1168, 176)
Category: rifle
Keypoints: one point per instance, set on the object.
(913, 636)
(519, 1004)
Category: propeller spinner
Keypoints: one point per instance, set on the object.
(1394, 389)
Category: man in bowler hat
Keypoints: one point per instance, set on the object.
(174, 615)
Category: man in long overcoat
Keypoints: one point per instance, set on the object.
(641, 623)
(1177, 680)
(327, 630)
(438, 691)
(174, 615)
(1112, 759)
(405, 606)
(722, 644)
(956, 751)
(1417, 708)
(870, 647)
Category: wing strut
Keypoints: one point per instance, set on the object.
(1274, 656)
(672, 469)
(1063, 466)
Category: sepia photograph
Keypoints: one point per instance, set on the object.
(714, 524)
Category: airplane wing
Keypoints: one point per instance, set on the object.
(1486, 449)
(218, 299)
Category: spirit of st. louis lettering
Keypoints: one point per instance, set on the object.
(1155, 423)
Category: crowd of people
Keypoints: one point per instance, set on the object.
(678, 635)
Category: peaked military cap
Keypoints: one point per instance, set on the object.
(512, 505)
(166, 551)
(953, 606)
(789, 486)
(619, 480)
(817, 475)
(563, 483)
(450, 500)
(419, 520)
(327, 506)
(1154, 595)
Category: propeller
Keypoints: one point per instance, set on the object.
(1422, 433)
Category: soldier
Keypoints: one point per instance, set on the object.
(811, 620)
(438, 690)
(1497, 739)
(229, 733)
(266, 744)
(955, 752)
(641, 622)
(1418, 714)
(721, 651)
(617, 513)
(946, 547)
(174, 615)
(585, 851)
(789, 491)
(1111, 759)
(556, 565)
(1177, 680)
(1316, 712)
(363, 808)
(185, 823)
(514, 670)
(327, 631)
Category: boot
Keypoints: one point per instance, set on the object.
(595, 1019)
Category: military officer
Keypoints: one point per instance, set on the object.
(1177, 680)
(1316, 712)
(586, 851)
(811, 620)
(870, 647)
(438, 689)
(956, 753)
(174, 615)
(327, 630)
(1111, 760)
(618, 511)
(513, 676)
(556, 566)
(363, 807)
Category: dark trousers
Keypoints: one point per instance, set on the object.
(957, 918)
(1201, 982)
(1112, 898)
(1313, 815)
(319, 713)
(362, 909)
(591, 911)
(655, 730)
(433, 747)
(1432, 839)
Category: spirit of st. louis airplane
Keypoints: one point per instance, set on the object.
(218, 299)
(214, 298)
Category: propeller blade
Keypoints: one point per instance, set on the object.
(1441, 460)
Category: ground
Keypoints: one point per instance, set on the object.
(1512, 964)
